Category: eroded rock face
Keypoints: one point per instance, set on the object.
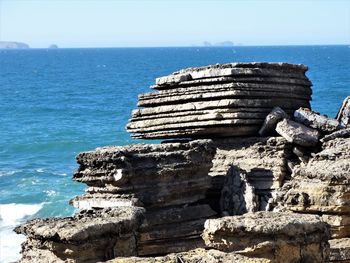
(316, 120)
(279, 237)
(297, 133)
(193, 256)
(322, 186)
(343, 115)
(219, 100)
(89, 236)
(271, 120)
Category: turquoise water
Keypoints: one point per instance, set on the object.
(56, 103)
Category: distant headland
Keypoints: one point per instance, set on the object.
(13, 45)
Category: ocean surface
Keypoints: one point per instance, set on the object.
(55, 103)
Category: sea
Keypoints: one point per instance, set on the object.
(55, 103)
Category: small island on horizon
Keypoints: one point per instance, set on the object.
(13, 45)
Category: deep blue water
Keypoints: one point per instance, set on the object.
(56, 103)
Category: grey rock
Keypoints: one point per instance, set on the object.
(298, 133)
(316, 121)
(271, 120)
(343, 133)
(237, 195)
(343, 115)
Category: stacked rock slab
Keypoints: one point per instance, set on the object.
(219, 100)
(170, 180)
(278, 237)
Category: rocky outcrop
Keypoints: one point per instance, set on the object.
(322, 186)
(13, 45)
(282, 197)
(220, 100)
(88, 236)
(279, 237)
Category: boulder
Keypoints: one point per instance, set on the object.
(298, 133)
(271, 120)
(315, 120)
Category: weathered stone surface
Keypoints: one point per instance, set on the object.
(232, 69)
(89, 236)
(232, 90)
(156, 175)
(271, 120)
(237, 195)
(339, 250)
(199, 255)
(298, 133)
(281, 237)
(172, 229)
(343, 115)
(305, 83)
(316, 121)
(176, 111)
(343, 133)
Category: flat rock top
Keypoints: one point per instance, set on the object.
(198, 255)
(84, 225)
(272, 65)
(266, 223)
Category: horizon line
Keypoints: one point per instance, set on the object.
(180, 46)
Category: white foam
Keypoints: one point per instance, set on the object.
(10, 216)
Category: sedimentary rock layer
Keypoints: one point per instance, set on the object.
(343, 115)
(322, 186)
(280, 237)
(89, 236)
(200, 102)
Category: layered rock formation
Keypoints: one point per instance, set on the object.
(220, 100)
(279, 237)
(144, 201)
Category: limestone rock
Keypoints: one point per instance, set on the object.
(343, 115)
(280, 237)
(340, 250)
(237, 195)
(343, 133)
(271, 120)
(263, 160)
(316, 121)
(298, 133)
(193, 256)
(219, 100)
(88, 236)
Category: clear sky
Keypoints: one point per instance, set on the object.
(103, 23)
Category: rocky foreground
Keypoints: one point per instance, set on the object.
(255, 176)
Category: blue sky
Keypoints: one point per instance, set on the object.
(135, 23)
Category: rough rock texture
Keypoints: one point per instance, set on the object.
(322, 186)
(143, 202)
(262, 159)
(89, 236)
(271, 120)
(316, 121)
(340, 250)
(297, 133)
(219, 100)
(280, 237)
(237, 195)
(343, 115)
(199, 255)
